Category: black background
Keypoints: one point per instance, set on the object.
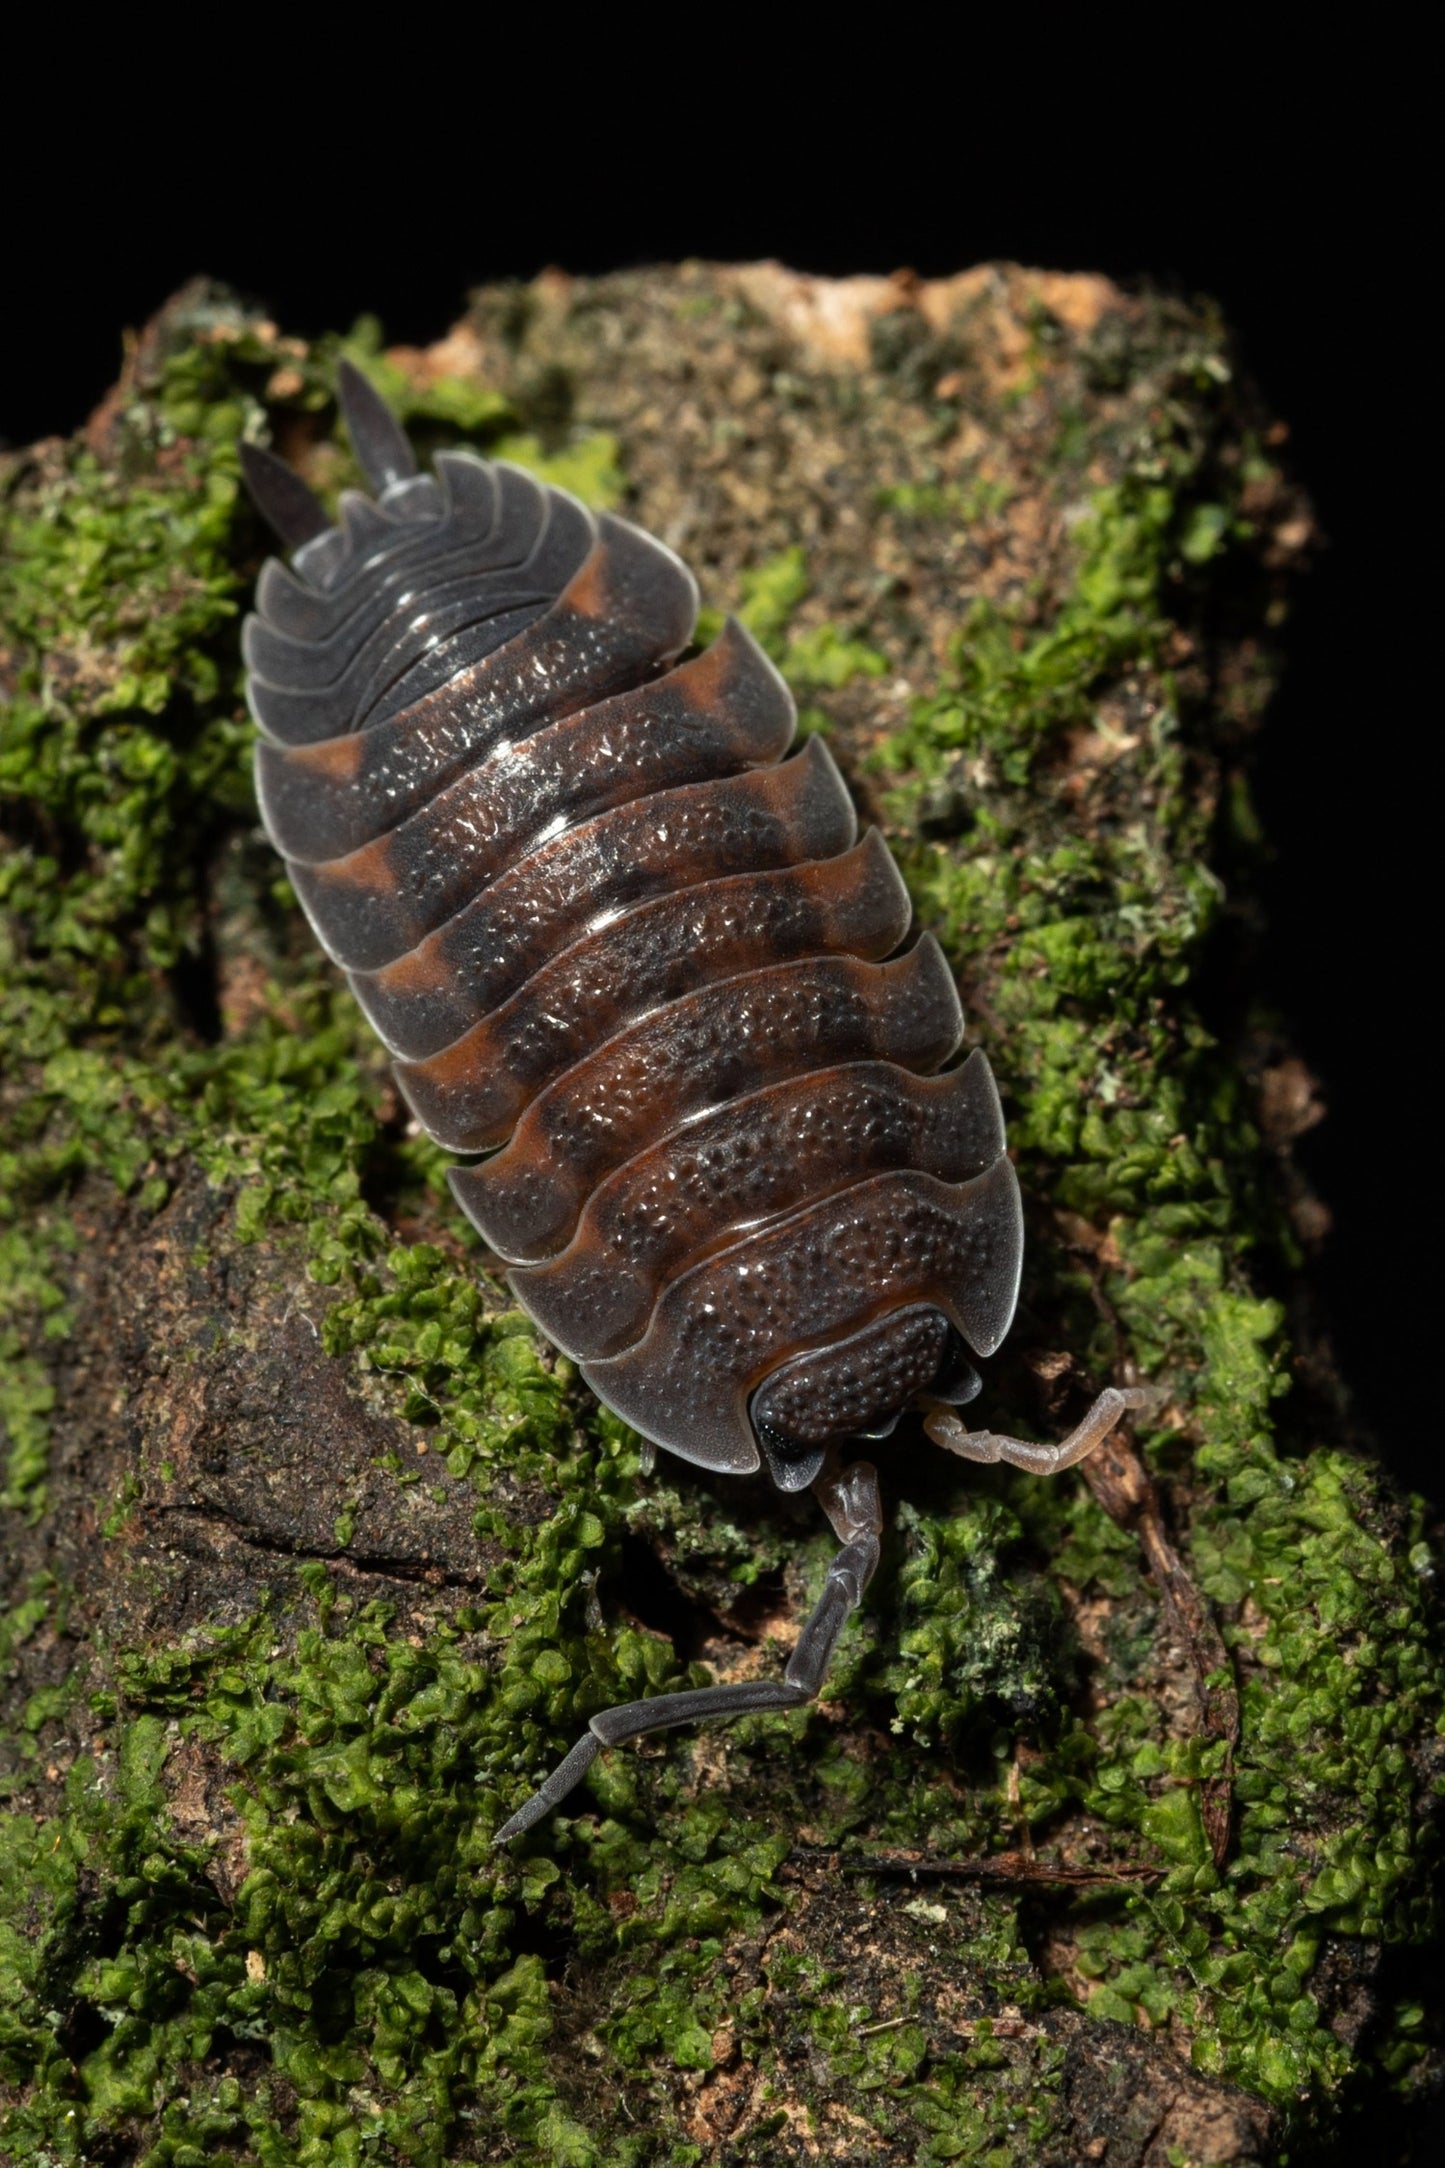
(1282, 181)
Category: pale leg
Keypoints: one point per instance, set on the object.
(945, 1429)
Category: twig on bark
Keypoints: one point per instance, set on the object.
(999, 1868)
(1121, 1483)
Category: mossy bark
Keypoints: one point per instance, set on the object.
(1101, 1841)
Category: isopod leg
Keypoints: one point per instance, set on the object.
(945, 1428)
(850, 1500)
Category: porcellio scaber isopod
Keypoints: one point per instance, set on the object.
(621, 945)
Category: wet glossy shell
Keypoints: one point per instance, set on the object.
(620, 942)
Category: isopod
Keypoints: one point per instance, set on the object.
(622, 942)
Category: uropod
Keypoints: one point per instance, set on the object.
(629, 952)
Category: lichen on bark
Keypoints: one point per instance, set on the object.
(1119, 1799)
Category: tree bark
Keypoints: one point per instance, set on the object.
(1108, 1841)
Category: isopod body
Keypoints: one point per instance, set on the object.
(627, 945)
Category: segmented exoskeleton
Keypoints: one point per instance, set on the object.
(620, 944)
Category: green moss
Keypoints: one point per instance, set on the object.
(772, 593)
(29, 1296)
(1328, 1838)
(1012, 688)
(118, 593)
(1126, 1113)
(968, 504)
(42, 1607)
(119, 596)
(825, 656)
(370, 1765)
(975, 1630)
(590, 464)
(370, 1942)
